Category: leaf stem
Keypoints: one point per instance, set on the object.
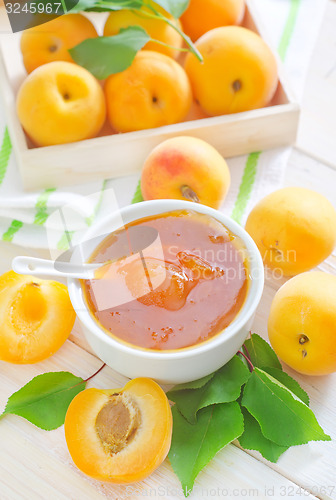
(92, 376)
(180, 49)
(157, 15)
(251, 366)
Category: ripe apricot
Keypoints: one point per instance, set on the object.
(201, 17)
(154, 91)
(239, 72)
(51, 41)
(301, 325)
(119, 435)
(156, 28)
(294, 229)
(36, 318)
(184, 163)
(59, 103)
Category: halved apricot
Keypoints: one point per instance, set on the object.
(36, 318)
(119, 435)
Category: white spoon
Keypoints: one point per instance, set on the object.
(43, 267)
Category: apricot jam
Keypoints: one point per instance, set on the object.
(186, 275)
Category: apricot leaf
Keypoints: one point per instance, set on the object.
(261, 353)
(105, 5)
(223, 386)
(289, 382)
(253, 439)
(107, 55)
(282, 416)
(45, 399)
(193, 446)
(137, 198)
(174, 7)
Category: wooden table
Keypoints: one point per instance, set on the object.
(35, 464)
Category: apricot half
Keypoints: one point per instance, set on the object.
(36, 318)
(119, 435)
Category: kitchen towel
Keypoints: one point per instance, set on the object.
(36, 220)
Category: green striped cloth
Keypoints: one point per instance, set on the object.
(39, 219)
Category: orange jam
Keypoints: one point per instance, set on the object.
(176, 279)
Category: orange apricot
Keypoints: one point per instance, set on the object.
(239, 71)
(201, 17)
(119, 435)
(51, 41)
(37, 318)
(154, 91)
(186, 163)
(156, 29)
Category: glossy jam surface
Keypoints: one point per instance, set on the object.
(175, 280)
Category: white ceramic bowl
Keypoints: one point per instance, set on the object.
(180, 365)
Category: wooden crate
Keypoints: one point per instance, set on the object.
(114, 155)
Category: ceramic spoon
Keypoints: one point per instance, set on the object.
(43, 267)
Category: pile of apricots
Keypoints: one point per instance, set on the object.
(61, 102)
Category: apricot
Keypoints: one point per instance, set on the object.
(294, 229)
(59, 103)
(119, 435)
(301, 324)
(239, 72)
(51, 41)
(201, 17)
(156, 28)
(183, 165)
(154, 91)
(36, 318)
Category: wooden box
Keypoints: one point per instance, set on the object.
(114, 155)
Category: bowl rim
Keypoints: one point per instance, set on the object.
(156, 207)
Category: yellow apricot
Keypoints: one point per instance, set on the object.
(51, 41)
(301, 324)
(294, 229)
(238, 72)
(59, 103)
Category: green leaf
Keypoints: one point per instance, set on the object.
(107, 55)
(174, 7)
(137, 198)
(105, 5)
(81, 5)
(261, 353)
(196, 384)
(289, 382)
(253, 439)
(45, 399)
(283, 418)
(223, 387)
(193, 446)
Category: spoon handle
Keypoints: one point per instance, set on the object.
(43, 267)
